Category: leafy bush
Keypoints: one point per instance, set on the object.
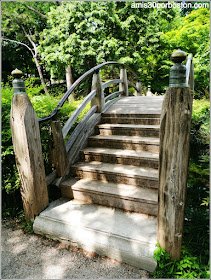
(200, 122)
(43, 106)
(189, 267)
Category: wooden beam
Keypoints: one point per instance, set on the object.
(123, 86)
(173, 167)
(99, 98)
(28, 153)
(58, 154)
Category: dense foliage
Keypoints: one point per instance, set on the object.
(82, 34)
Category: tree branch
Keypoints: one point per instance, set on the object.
(14, 41)
(34, 10)
(30, 40)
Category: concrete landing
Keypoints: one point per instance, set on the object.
(127, 237)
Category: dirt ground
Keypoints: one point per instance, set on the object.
(29, 256)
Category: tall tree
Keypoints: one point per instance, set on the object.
(21, 24)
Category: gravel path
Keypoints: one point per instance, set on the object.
(29, 256)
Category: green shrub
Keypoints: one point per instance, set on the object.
(200, 129)
(188, 267)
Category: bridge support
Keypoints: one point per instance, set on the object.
(99, 98)
(123, 86)
(173, 159)
(28, 151)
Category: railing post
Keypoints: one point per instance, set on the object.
(138, 92)
(58, 153)
(173, 158)
(99, 99)
(123, 86)
(149, 93)
(28, 150)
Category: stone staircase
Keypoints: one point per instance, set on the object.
(114, 186)
(119, 168)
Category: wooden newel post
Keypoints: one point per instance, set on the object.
(124, 85)
(138, 92)
(58, 153)
(28, 150)
(173, 158)
(99, 97)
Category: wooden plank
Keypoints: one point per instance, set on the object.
(77, 112)
(115, 81)
(112, 95)
(173, 168)
(80, 127)
(58, 154)
(28, 153)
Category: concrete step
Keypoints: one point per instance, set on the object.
(123, 119)
(147, 144)
(118, 156)
(127, 197)
(117, 173)
(128, 129)
(126, 237)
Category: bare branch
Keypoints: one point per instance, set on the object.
(14, 41)
(30, 40)
(34, 10)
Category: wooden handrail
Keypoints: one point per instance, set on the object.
(77, 112)
(78, 81)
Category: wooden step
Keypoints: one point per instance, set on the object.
(130, 120)
(129, 129)
(131, 115)
(117, 173)
(127, 197)
(148, 144)
(118, 156)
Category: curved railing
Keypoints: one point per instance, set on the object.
(70, 147)
(83, 77)
(190, 72)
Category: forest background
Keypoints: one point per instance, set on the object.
(54, 42)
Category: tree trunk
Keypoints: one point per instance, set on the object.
(69, 81)
(41, 75)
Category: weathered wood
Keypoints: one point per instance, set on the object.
(173, 167)
(58, 154)
(66, 128)
(51, 177)
(132, 85)
(115, 81)
(99, 98)
(138, 91)
(123, 86)
(28, 153)
(79, 128)
(112, 95)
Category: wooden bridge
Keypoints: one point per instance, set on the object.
(115, 201)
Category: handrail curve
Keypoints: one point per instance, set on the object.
(78, 81)
(190, 72)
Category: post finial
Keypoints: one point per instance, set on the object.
(18, 83)
(178, 70)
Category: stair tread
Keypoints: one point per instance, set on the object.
(121, 153)
(128, 170)
(125, 138)
(121, 190)
(132, 126)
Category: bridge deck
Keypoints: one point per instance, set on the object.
(137, 105)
